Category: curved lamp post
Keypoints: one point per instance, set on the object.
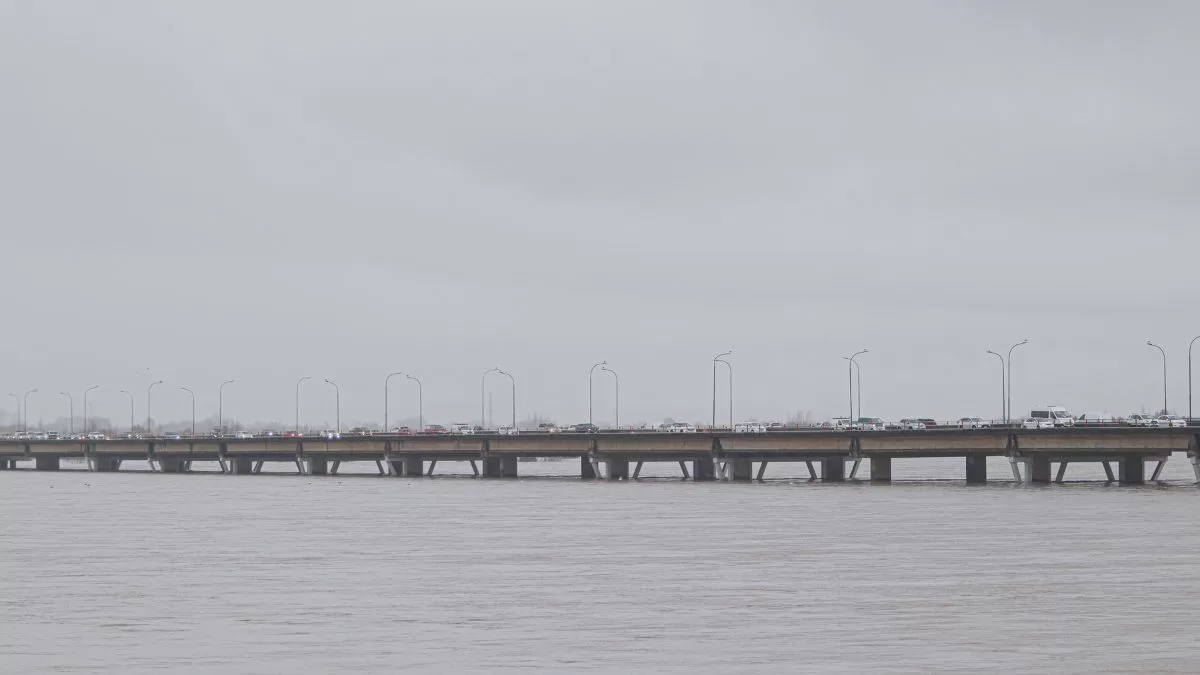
(85, 408)
(1009, 367)
(729, 367)
(590, 373)
(193, 409)
(616, 398)
(71, 423)
(483, 396)
(1190, 375)
(850, 375)
(298, 383)
(1003, 405)
(221, 407)
(338, 395)
(1160, 349)
(420, 404)
(150, 429)
(718, 359)
(25, 426)
(386, 380)
(513, 380)
(130, 395)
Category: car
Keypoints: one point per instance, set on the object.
(583, 428)
(435, 429)
(331, 434)
(506, 430)
(462, 429)
(775, 426)
(547, 428)
(1170, 421)
(1095, 418)
(1037, 423)
(682, 428)
(1057, 414)
(842, 423)
(1140, 420)
(244, 434)
(928, 422)
(972, 423)
(402, 431)
(912, 424)
(749, 428)
(870, 424)
(268, 433)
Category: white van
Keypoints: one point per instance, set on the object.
(1057, 414)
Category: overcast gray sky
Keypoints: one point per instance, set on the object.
(200, 191)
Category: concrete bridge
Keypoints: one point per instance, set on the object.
(710, 455)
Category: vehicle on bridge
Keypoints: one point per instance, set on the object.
(870, 424)
(972, 423)
(1058, 415)
(911, 424)
(842, 423)
(583, 428)
(1140, 420)
(682, 428)
(507, 430)
(750, 428)
(1095, 418)
(434, 429)
(331, 434)
(1170, 422)
(462, 429)
(1037, 423)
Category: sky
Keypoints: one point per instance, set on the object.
(196, 192)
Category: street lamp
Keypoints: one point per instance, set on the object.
(483, 396)
(1190, 375)
(385, 399)
(25, 426)
(1003, 405)
(1010, 351)
(150, 429)
(221, 407)
(306, 377)
(716, 359)
(590, 372)
(338, 394)
(130, 395)
(71, 424)
(729, 366)
(17, 426)
(85, 408)
(1160, 349)
(514, 396)
(420, 404)
(850, 375)
(616, 398)
(193, 409)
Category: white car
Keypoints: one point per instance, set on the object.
(912, 424)
(462, 429)
(1037, 423)
(682, 428)
(842, 423)
(1141, 420)
(507, 430)
(972, 423)
(870, 424)
(750, 428)
(1170, 421)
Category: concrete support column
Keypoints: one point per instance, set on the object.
(240, 466)
(317, 466)
(508, 467)
(1037, 469)
(1132, 470)
(833, 469)
(739, 469)
(6, 464)
(704, 469)
(46, 464)
(171, 464)
(1196, 467)
(586, 471)
(106, 464)
(617, 468)
(414, 466)
(881, 469)
(491, 467)
(977, 469)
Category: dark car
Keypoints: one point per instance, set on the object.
(435, 429)
(929, 424)
(585, 428)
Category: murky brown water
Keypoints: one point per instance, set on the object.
(141, 573)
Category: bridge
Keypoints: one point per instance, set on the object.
(711, 455)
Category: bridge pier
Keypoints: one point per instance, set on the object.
(704, 469)
(499, 467)
(833, 469)
(881, 469)
(1037, 469)
(414, 466)
(106, 464)
(738, 469)
(617, 468)
(46, 463)
(171, 464)
(586, 470)
(7, 464)
(1195, 467)
(976, 469)
(240, 466)
(1132, 470)
(317, 466)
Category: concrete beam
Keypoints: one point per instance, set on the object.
(414, 466)
(881, 469)
(704, 469)
(508, 466)
(491, 467)
(240, 466)
(586, 471)
(976, 469)
(318, 466)
(833, 469)
(617, 469)
(1132, 470)
(1037, 469)
(762, 470)
(739, 469)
